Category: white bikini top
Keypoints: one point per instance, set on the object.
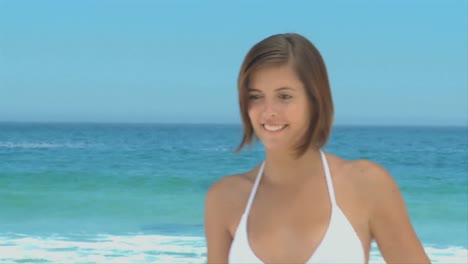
(339, 245)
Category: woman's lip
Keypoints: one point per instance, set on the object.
(271, 124)
(274, 128)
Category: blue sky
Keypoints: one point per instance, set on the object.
(390, 62)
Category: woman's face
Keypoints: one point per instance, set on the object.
(278, 107)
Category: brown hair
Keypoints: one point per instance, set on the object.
(301, 54)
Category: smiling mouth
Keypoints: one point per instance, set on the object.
(274, 128)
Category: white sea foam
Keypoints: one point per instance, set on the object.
(140, 248)
(453, 254)
(103, 248)
(39, 145)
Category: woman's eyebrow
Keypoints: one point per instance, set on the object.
(284, 88)
(276, 90)
(253, 90)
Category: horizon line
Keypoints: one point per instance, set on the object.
(217, 123)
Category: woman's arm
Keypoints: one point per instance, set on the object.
(389, 222)
(218, 237)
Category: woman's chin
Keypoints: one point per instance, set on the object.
(278, 147)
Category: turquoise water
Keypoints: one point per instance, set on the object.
(135, 192)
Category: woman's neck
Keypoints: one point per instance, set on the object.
(285, 168)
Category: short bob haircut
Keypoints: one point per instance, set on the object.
(295, 50)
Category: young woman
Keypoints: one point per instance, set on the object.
(301, 204)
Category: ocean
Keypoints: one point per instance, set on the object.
(130, 193)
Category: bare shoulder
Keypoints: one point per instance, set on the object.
(223, 208)
(380, 198)
(389, 221)
(228, 196)
(368, 179)
(227, 190)
(368, 175)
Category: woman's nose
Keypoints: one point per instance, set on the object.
(269, 111)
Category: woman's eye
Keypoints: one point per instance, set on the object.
(285, 96)
(254, 97)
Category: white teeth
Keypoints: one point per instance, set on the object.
(273, 128)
